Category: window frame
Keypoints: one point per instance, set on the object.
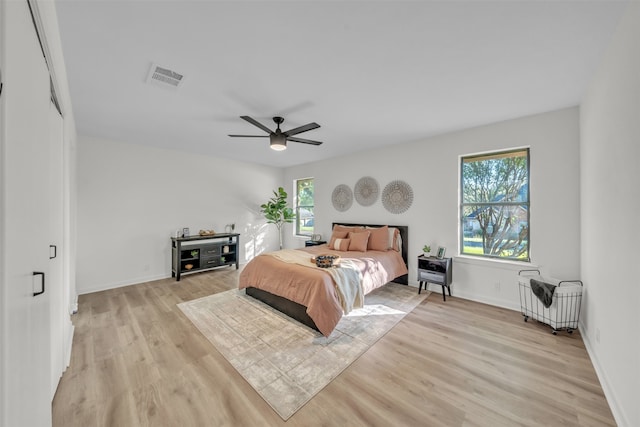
(525, 204)
(297, 207)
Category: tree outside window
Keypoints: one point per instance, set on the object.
(494, 205)
(304, 207)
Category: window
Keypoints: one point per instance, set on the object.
(494, 205)
(304, 206)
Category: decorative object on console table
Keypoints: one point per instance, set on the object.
(441, 251)
(199, 253)
(437, 271)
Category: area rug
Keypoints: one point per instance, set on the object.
(286, 362)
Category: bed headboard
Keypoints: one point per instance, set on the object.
(404, 233)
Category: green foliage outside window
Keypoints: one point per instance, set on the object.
(304, 207)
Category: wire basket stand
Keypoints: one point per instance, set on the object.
(564, 311)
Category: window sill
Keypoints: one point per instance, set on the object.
(495, 263)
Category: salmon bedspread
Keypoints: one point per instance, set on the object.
(314, 288)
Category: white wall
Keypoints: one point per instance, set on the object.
(610, 128)
(431, 167)
(132, 199)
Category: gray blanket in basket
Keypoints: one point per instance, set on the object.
(544, 291)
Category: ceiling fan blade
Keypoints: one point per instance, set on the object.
(300, 129)
(256, 123)
(304, 141)
(250, 136)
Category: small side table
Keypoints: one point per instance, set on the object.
(314, 242)
(437, 271)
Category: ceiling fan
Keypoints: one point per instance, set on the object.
(278, 138)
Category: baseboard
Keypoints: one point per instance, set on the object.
(437, 289)
(618, 412)
(114, 285)
(69, 345)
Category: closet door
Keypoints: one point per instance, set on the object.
(26, 345)
(59, 314)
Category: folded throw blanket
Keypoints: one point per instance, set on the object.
(348, 281)
(544, 291)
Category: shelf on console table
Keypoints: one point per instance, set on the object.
(203, 253)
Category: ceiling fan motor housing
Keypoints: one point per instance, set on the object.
(278, 141)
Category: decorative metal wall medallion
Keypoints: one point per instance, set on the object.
(366, 190)
(397, 196)
(342, 197)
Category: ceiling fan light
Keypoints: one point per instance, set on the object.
(278, 142)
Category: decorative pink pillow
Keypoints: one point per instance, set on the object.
(359, 241)
(379, 239)
(339, 227)
(337, 235)
(339, 244)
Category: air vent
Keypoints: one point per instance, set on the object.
(164, 77)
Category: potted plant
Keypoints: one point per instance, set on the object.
(276, 211)
(426, 249)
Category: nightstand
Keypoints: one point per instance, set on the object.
(314, 242)
(437, 271)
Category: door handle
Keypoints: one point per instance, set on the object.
(55, 251)
(39, 273)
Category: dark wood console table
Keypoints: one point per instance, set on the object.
(199, 253)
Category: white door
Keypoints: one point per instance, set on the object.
(24, 127)
(56, 251)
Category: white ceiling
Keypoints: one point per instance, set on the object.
(370, 73)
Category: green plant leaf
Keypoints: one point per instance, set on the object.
(276, 210)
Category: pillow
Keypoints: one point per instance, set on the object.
(339, 244)
(358, 241)
(378, 239)
(395, 241)
(398, 248)
(337, 235)
(339, 227)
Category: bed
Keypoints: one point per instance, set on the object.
(308, 294)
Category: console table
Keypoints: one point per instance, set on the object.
(199, 253)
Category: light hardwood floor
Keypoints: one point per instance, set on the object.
(138, 361)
